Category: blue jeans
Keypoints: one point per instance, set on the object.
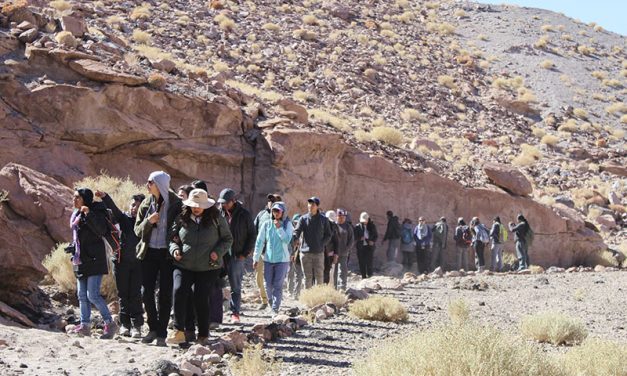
(274, 274)
(236, 274)
(88, 294)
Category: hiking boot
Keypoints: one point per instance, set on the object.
(151, 336)
(214, 325)
(176, 337)
(82, 330)
(235, 318)
(136, 333)
(190, 336)
(125, 331)
(262, 306)
(161, 342)
(109, 331)
(203, 341)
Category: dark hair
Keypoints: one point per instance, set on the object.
(521, 218)
(389, 213)
(200, 184)
(208, 217)
(185, 188)
(406, 220)
(497, 219)
(140, 197)
(87, 195)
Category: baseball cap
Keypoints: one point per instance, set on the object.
(226, 195)
(340, 211)
(314, 200)
(274, 197)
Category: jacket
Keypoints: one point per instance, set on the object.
(243, 230)
(520, 231)
(345, 239)
(316, 232)
(495, 233)
(91, 229)
(440, 232)
(143, 228)
(426, 240)
(331, 248)
(128, 239)
(275, 241)
(459, 236)
(393, 230)
(359, 233)
(197, 241)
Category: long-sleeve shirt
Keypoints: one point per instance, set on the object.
(276, 242)
(316, 232)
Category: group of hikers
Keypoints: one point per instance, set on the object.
(172, 252)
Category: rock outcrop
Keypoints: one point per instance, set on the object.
(508, 178)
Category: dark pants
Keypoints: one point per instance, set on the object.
(408, 259)
(182, 283)
(128, 279)
(328, 264)
(236, 274)
(157, 264)
(522, 252)
(364, 256)
(422, 258)
(216, 299)
(479, 247)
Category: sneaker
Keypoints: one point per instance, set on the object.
(190, 336)
(214, 325)
(82, 330)
(262, 306)
(125, 331)
(202, 341)
(136, 332)
(176, 337)
(235, 318)
(151, 336)
(109, 330)
(161, 342)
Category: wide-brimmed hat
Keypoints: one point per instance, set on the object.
(198, 198)
(364, 217)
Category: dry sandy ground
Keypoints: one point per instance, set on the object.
(330, 347)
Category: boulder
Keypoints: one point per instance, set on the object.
(74, 25)
(99, 72)
(614, 169)
(28, 36)
(301, 114)
(237, 338)
(8, 43)
(508, 178)
(607, 220)
(164, 65)
(354, 294)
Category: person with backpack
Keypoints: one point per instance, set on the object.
(274, 236)
(153, 226)
(201, 238)
(366, 236)
(89, 260)
(126, 267)
(393, 236)
(422, 237)
(523, 235)
(463, 238)
(407, 244)
(481, 237)
(345, 241)
(440, 237)
(330, 250)
(263, 216)
(498, 235)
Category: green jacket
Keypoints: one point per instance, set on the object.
(143, 228)
(197, 242)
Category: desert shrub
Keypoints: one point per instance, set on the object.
(585, 50)
(310, 19)
(569, 125)
(66, 39)
(547, 64)
(321, 294)
(328, 117)
(528, 155)
(254, 363)
(387, 135)
(550, 140)
(536, 269)
(271, 27)
(410, 114)
(157, 81)
(463, 350)
(224, 22)
(612, 83)
(120, 190)
(268, 95)
(623, 119)
(363, 136)
(443, 28)
(61, 5)
(140, 36)
(458, 311)
(379, 308)
(616, 108)
(447, 81)
(141, 12)
(552, 327)
(596, 357)
(580, 113)
(599, 75)
(542, 43)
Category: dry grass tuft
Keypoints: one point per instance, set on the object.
(596, 357)
(157, 81)
(550, 140)
(321, 294)
(61, 5)
(528, 155)
(616, 108)
(119, 189)
(271, 27)
(466, 349)
(458, 311)
(254, 363)
(141, 12)
(387, 135)
(379, 308)
(552, 327)
(580, 113)
(410, 114)
(141, 37)
(447, 81)
(224, 22)
(547, 64)
(66, 39)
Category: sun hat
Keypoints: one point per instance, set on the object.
(198, 198)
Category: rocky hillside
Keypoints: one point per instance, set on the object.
(371, 105)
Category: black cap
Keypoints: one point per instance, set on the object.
(226, 195)
(314, 200)
(274, 197)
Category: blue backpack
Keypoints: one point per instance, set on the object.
(407, 236)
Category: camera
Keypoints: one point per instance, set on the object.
(70, 249)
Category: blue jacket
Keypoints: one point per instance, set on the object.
(276, 241)
(426, 241)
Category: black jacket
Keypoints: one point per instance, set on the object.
(316, 232)
(393, 231)
(93, 255)
(128, 239)
(242, 229)
(520, 231)
(359, 233)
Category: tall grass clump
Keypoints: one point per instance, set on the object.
(458, 311)
(387, 135)
(254, 363)
(321, 294)
(379, 308)
(554, 328)
(596, 357)
(464, 350)
(120, 190)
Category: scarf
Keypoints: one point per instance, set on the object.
(74, 221)
(422, 231)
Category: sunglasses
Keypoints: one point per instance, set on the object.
(150, 182)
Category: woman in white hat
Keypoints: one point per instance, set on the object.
(365, 235)
(201, 236)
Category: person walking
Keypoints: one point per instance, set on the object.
(422, 237)
(274, 236)
(498, 236)
(89, 260)
(153, 226)
(408, 245)
(523, 235)
(201, 237)
(393, 236)
(480, 238)
(295, 274)
(263, 216)
(440, 238)
(365, 237)
(126, 267)
(345, 241)
(463, 238)
(330, 250)
(244, 235)
(316, 233)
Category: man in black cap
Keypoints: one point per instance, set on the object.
(316, 233)
(243, 231)
(440, 236)
(264, 215)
